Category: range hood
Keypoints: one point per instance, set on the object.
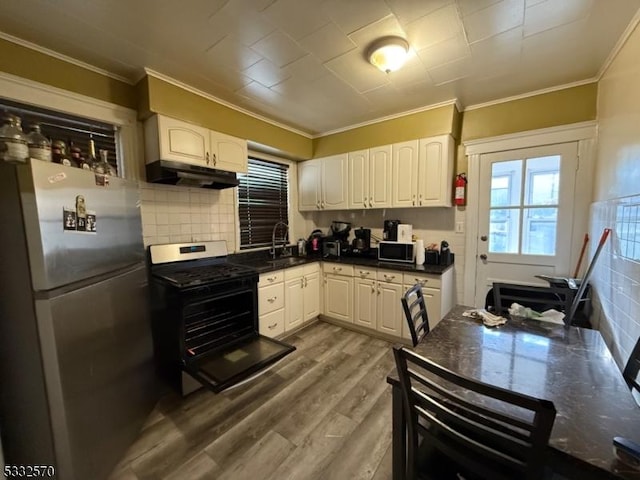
(177, 173)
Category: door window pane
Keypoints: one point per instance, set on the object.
(539, 231)
(506, 179)
(504, 225)
(542, 180)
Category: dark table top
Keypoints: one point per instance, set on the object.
(573, 368)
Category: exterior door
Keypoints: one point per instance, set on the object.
(525, 215)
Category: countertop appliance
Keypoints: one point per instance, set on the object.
(205, 318)
(390, 230)
(361, 244)
(405, 233)
(337, 243)
(397, 252)
(314, 243)
(77, 372)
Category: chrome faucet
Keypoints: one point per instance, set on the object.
(273, 238)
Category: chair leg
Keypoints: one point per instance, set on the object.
(399, 435)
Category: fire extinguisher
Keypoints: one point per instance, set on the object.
(460, 197)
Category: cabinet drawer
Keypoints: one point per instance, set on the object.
(389, 276)
(338, 269)
(368, 273)
(310, 268)
(272, 324)
(270, 298)
(271, 278)
(295, 272)
(426, 280)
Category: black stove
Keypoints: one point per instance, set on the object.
(205, 318)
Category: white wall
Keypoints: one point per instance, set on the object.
(617, 202)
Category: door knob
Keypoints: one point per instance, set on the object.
(483, 257)
(483, 238)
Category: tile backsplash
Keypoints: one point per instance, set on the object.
(616, 277)
(180, 214)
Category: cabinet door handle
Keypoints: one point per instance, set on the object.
(322, 203)
(271, 279)
(421, 282)
(414, 200)
(271, 327)
(389, 277)
(364, 273)
(420, 199)
(272, 299)
(302, 282)
(379, 291)
(215, 159)
(337, 269)
(318, 204)
(207, 157)
(371, 202)
(373, 288)
(305, 281)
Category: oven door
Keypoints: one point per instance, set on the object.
(221, 345)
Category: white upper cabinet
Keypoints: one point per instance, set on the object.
(322, 183)
(435, 171)
(228, 153)
(405, 173)
(359, 179)
(380, 175)
(369, 178)
(170, 139)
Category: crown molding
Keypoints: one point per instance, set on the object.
(633, 24)
(64, 58)
(531, 94)
(208, 96)
(391, 117)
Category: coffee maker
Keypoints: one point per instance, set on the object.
(390, 230)
(361, 244)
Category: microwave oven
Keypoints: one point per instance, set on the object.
(397, 252)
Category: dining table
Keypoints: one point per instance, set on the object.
(572, 367)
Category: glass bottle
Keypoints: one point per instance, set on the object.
(76, 156)
(13, 142)
(59, 154)
(104, 167)
(39, 145)
(92, 160)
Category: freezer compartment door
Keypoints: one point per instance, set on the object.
(105, 235)
(224, 368)
(100, 376)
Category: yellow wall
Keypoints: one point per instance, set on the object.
(39, 67)
(176, 102)
(562, 107)
(437, 121)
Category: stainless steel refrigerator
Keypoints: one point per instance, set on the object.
(76, 358)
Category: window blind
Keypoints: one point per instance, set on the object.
(70, 129)
(263, 201)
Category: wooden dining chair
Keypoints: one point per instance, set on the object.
(631, 372)
(415, 311)
(460, 427)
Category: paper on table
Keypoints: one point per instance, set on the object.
(551, 315)
(489, 319)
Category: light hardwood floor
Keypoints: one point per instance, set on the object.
(323, 412)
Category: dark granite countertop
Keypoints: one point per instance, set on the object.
(262, 263)
(573, 368)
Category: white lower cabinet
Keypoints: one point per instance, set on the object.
(390, 316)
(311, 292)
(301, 295)
(271, 313)
(272, 324)
(365, 303)
(294, 301)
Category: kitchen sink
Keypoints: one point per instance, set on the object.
(287, 262)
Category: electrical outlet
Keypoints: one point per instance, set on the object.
(459, 227)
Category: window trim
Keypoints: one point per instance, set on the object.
(34, 93)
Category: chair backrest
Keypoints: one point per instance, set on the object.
(631, 372)
(536, 298)
(415, 311)
(481, 428)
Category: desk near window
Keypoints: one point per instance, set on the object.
(573, 368)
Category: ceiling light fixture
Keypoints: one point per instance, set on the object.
(388, 53)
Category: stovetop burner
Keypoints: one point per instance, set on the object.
(202, 274)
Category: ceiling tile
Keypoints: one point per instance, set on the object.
(436, 27)
(232, 54)
(493, 20)
(445, 52)
(531, 3)
(547, 15)
(385, 27)
(247, 25)
(327, 42)
(355, 14)
(266, 73)
(306, 69)
(451, 71)
(409, 10)
(497, 55)
(353, 69)
(467, 7)
(279, 49)
(298, 18)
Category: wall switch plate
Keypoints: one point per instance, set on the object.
(459, 227)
